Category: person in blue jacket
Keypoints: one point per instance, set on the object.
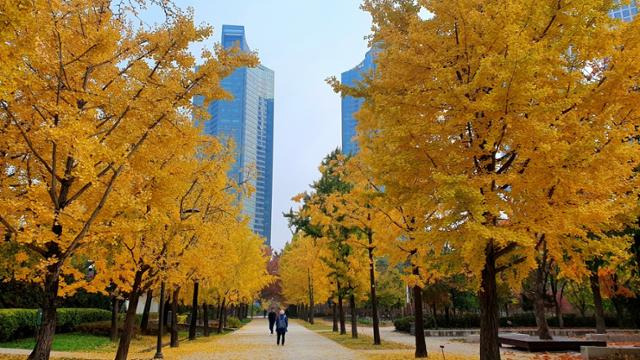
(282, 323)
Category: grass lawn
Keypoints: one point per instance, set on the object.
(363, 342)
(66, 342)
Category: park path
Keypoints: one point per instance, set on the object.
(253, 341)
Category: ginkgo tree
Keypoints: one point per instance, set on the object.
(303, 272)
(517, 119)
(84, 108)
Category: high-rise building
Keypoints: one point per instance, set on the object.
(247, 120)
(626, 12)
(351, 105)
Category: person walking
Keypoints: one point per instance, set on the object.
(282, 323)
(272, 319)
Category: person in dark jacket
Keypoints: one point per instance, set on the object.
(272, 319)
(282, 323)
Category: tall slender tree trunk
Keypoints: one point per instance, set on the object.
(539, 292)
(205, 318)
(372, 290)
(421, 345)
(220, 320)
(597, 302)
(165, 316)
(617, 304)
(558, 308)
(335, 316)
(175, 342)
(144, 322)
(343, 327)
(311, 303)
(44, 334)
(433, 314)
(224, 317)
(129, 321)
(488, 296)
(114, 318)
(538, 304)
(194, 312)
(354, 315)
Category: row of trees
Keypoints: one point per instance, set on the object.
(497, 141)
(101, 166)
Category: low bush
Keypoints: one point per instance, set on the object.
(403, 324)
(102, 328)
(19, 323)
(233, 322)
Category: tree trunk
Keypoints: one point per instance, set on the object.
(433, 313)
(311, 303)
(538, 303)
(372, 290)
(205, 316)
(488, 296)
(335, 317)
(194, 312)
(175, 342)
(343, 327)
(617, 304)
(47, 329)
(166, 308)
(597, 302)
(144, 323)
(129, 321)
(354, 315)
(220, 320)
(224, 317)
(421, 345)
(559, 313)
(114, 318)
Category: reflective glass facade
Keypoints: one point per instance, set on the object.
(247, 120)
(351, 105)
(626, 12)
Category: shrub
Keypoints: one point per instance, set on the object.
(403, 324)
(233, 322)
(18, 323)
(103, 328)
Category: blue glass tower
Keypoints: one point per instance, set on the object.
(626, 12)
(351, 105)
(247, 120)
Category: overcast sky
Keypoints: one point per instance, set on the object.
(304, 42)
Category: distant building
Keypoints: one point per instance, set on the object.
(247, 120)
(627, 12)
(351, 105)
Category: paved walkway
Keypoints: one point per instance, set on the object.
(253, 341)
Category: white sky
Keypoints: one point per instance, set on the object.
(304, 42)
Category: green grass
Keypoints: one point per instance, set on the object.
(363, 342)
(65, 342)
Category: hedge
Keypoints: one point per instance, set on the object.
(19, 323)
(471, 320)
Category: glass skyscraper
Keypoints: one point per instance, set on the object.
(247, 120)
(351, 105)
(626, 12)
